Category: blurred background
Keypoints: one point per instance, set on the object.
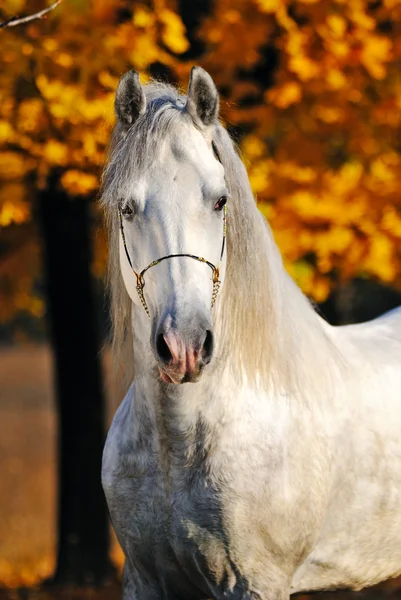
(311, 93)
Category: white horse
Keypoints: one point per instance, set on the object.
(258, 451)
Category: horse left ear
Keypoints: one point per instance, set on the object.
(130, 102)
(202, 97)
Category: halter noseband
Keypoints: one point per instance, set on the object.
(140, 281)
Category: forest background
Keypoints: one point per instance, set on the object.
(311, 93)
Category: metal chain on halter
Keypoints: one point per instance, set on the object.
(216, 288)
(139, 289)
(140, 281)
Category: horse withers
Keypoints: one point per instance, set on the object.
(257, 452)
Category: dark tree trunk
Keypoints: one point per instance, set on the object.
(192, 14)
(358, 301)
(83, 534)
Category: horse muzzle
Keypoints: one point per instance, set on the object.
(182, 358)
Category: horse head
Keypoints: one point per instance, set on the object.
(172, 218)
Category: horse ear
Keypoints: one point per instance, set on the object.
(130, 102)
(202, 97)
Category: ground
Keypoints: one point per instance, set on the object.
(27, 485)
(28, 466)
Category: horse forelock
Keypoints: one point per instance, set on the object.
(269, 332)
(132, 150)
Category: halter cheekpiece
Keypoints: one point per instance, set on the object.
(140, 281)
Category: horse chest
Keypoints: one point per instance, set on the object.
(172, 532)
(171, 515)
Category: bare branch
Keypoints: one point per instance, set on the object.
(39, 15)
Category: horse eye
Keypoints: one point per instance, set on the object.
(127, 211)
(220, 204)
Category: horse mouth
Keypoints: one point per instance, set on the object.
(176, 378)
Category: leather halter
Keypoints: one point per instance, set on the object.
(140, 281)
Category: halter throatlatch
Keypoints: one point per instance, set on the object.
(140, 281)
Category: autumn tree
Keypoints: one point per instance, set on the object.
(321, 138)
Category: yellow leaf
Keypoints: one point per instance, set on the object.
(12, 165)
(13, 206)
(79, 183)
(173, 34)
(107, 80)
(63, 59)
(339, 48)
(30, 115)
(258, 176)
(375, 52)
(381, 171)
(337, 24)
(253, 146)
(232, 16)
(295, 172)
(304, 67)
(391, 221)
(50, 44)
(286, 94)
(335, 79)
(143, 17)
(55, 153)
(6, 131)
(269, 6)
(329, 114)
(380, 258)
(320, 289)
(13, 7)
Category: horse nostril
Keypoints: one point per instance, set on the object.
(162, 349)
(207, 349)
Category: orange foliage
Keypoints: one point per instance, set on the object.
(321, 143)
(320, 127)
(57, 85)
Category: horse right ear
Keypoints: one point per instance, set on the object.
(202, 97)
(130, 102)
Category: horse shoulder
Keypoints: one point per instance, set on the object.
(126, 453)
(115, 444)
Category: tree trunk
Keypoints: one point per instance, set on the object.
(192, 14)
(83, 532)
(359, 300)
